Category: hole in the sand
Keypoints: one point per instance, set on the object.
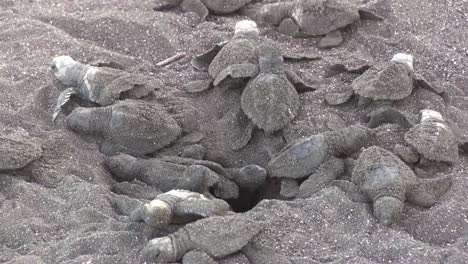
(249, 199)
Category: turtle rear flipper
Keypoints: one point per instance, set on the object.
(191, 209)
(352, 190)
(195, 6)
(237, 71)
(425, 192)
(62, 100)
(299, 84)
(202, 62)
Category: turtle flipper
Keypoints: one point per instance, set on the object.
(162, 5)
(202, 62)
(194, 209)
(241, 142)
(421, 82)
(199, 86)
(299, 84)
(388, 115)
(325, 174)
(352, 190)
(237, 71)
(195, 6)
(134, 86)
(63, 99)
(196, 256)
(425, 192)
(366, 13)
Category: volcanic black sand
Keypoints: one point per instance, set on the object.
(65, 211)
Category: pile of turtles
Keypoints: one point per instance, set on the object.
(195, 193)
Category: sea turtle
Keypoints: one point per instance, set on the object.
(178, 206)
(433, 139)
(232, 62)
(390, 81)
(203, 7)
(217, 236)
(129, 126)
(100, 85)
(306, 18)
(170, 172)
(17, 149)
(236, 58)
(381, 178)
(270, 99)
(304, 157)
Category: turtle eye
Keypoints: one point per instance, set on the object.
(53, 67)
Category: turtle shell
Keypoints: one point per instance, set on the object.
(320, 17)
(386, 81)
(17, 149)
(299, 159)
(225, 6)
(270, 101)
(434, 141)
(378, 172)
(141, 126)
(237, 51)
(220, 236)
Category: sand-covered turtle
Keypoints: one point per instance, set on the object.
(433, 139)
(203, 7)
(17, 149)
(170, 172)
(100, 85)
(217, 236)
(305, 18)
(232, 63)
(128, 126)
(302, 158)
(381, 178)
(178, 206)
(390, 81)
(235, 59)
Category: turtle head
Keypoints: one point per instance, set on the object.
(159, 250)
(157, 213)
(405, 59)
(246, 27)
(388, 209)
(61, 67)
(80, 120)
(270, 57)
(273, 14)
(251, 177)
(431, 115)
(122, 166)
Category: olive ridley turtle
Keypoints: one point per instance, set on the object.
(203, 7)
(178, 206)
(306, 157)
(304, 18)
(232, 62)
(170, 172)
(100, 85)
(433, 139)
(380, 177)
(17, 149)
(393, 80)
(217, 236)
(129, 126)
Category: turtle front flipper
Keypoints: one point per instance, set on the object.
(194, 209)
(243, 140)
(199, 86)
(425, 192)
(325, 174)
(420, 81)
(128, 86)
(299, 84)
(365, 13)
(63, 99)
(389, 115)
(237, 71)
(166, 4)
(195, 6)
(202, 62)
(353, 191)
(197, 256)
